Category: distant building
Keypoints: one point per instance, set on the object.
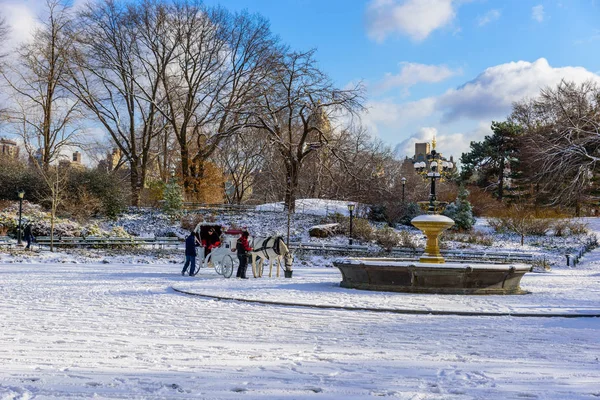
(74, 162)
(111, 161)
(423, 150)
(9, 148)
(37, 158)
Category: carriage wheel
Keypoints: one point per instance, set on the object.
(227, 266)
(218, 267)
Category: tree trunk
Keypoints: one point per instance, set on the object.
(501, 180)
(135, 184)
(291, 186)
(185, 171)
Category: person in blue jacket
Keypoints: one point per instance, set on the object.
(190, 254)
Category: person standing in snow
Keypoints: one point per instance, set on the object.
(190, 254)
(243, 247)
(28, 236)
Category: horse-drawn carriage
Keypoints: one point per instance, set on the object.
(218, 248)
(219, 251)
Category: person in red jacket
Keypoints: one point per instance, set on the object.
(212, 241)
(243, 247)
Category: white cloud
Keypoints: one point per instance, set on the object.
(537, 13)
(415, 18)
(22, 19)
(490, 16)
(412, 73)
(492, 93)
(388, 114)
(467, 111)
(450, 144)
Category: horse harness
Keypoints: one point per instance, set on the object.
(264, 247)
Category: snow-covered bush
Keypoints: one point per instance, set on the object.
(387, 238)
(92, 230)
(362, 229)
(39, 220)
(576, 227)
(406, 239)
(118, 231)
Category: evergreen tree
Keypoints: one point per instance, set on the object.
(495, 159)
(461, 211)
(173, 199)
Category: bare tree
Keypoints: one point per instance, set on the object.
(4, 32)
(241, 157)
(220, 63)
(563, 138)
(297, 110)
(42, 111)
(118, 89)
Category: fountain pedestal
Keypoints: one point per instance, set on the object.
(432, 226)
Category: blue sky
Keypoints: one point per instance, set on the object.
(415, 57)
(443, 67)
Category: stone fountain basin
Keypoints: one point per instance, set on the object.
(393, 275)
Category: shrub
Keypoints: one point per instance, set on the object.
(362, 229)
(120, 232)
(92, 230)
(387, 238)
(410, 211)
(378, 212)
(97, 192)
(15, 175)
(577, 227)
(153, 193)
(406, 239)
(522, 221)
(483, 202)
(83, 206)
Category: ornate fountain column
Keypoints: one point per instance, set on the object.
(432, 226)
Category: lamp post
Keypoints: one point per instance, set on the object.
(436, 167)
(21, 194)
(350, 209)
(403, 186)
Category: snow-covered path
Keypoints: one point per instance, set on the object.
(119, 331)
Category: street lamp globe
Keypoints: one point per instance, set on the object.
(21, 194)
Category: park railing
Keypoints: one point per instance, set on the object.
(574, 258)
(415, 253)
(6, 241)
(97, 241)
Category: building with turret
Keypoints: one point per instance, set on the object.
(423, 153)
(9, 148)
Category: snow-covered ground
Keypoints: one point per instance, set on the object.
(85, 325)
(321, 207)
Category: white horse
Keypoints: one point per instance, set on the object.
(273, 249)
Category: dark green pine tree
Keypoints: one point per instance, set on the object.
(495, 160)
(461, 211)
